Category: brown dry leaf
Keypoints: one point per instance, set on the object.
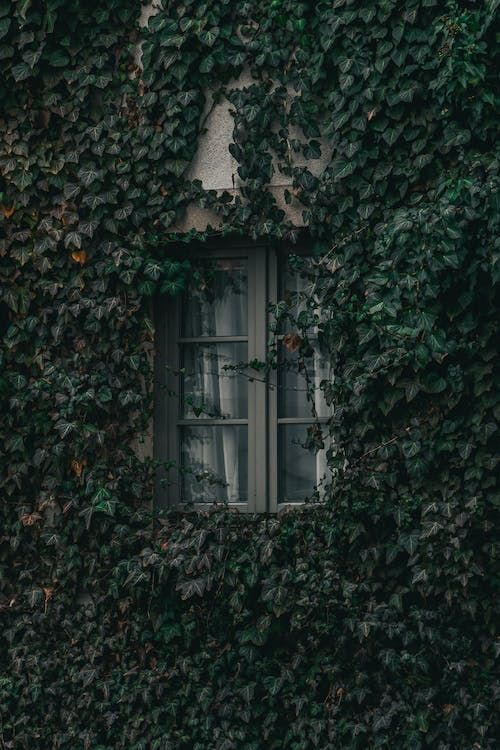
(28, 519)
(45, 116)
(79, 256)
(371, 114)
(7, 212)
(78, 466)
(60, 210)
(48, 593)
(47, 502)
(292, 341)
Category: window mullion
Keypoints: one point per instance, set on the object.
(212, 339)
(303, 420)
(272, 425)
(208, 422)
(259, 317)
(252, 442)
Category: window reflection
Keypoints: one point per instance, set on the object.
(211, 385)
(215, 463)
(217, 304)
(300, 470)
(299, 390)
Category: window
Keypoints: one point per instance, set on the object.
(229, 432)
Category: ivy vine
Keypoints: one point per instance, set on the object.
(366, 622)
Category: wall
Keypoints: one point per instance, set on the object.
(217, 169)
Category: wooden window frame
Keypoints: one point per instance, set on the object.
(262, 419)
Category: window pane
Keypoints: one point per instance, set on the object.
(209, 385)
(299, 469)
(294, 384)
(215, 460)
(292, 284)
(218, 304)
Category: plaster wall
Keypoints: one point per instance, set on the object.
(217, 169)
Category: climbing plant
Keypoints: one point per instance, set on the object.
(368, 621)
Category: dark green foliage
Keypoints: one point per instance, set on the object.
(368, 622)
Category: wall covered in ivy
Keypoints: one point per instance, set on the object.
(369, 621)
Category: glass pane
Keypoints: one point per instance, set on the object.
(294, 384)
(218, 304)
(215, 464)
(208, 383)
(292, 284)
(299, 469)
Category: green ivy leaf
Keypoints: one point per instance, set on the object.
(88, 175)
(209, 37)
(341, 168)
(21, 71)
(207, 64)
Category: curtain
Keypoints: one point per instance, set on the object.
(221, 449)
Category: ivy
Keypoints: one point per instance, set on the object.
(369, 621)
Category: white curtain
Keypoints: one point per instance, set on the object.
(220, 388)
(222, 449)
